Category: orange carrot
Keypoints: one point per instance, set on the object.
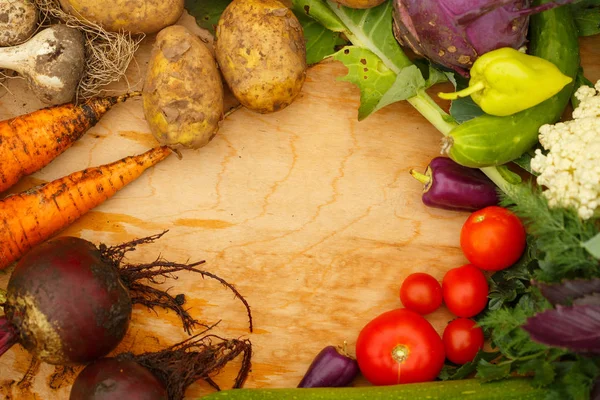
(30, 217)
(29, 142)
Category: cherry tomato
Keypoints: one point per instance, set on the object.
(465, 291)
(399, 346)
(462, 340)
(421, 292)
(493, 238)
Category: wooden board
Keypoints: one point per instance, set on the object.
(310, 213)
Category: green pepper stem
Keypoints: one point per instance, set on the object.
(463, 93)
(424, 179)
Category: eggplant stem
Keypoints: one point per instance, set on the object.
(463, 93)
(8, 335)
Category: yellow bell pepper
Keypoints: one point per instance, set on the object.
(506, 81)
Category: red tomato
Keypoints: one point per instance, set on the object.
(462, 340)
(399, 346)
(465, 291)
(492, 238)
(421, 293)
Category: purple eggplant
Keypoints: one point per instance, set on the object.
(451, 186)
(330, 368)
(454, 33)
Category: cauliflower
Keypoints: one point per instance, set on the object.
(570, 171)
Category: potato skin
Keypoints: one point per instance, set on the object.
(359, 3)
(183, 91)
(135, 16)
(261, 51)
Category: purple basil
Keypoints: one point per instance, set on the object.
(576, 328)
(571, 290)
(330, 369)
(454, 33)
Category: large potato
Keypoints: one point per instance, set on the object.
(183, 92)
(260, 49)
(136, 16)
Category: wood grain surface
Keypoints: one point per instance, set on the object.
(310, 213)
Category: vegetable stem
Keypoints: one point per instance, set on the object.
(433, 113)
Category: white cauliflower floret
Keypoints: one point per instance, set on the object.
(570, 171)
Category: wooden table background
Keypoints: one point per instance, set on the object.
(310, 213)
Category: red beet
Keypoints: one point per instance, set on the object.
(70, 302)
(112, 378)
(162, 375)
(66, 303)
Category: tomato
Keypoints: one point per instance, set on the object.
(421, 292)
(465, 291)
(399, 346)
(462, 340)
(493, 238)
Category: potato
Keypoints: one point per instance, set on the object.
(261, 52)
(18, 20)
(359, 3)
(135, 16)
(183, 91)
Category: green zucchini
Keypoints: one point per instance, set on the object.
(489, 140)
(466, 389)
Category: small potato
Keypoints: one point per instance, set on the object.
(261, 52)
(359, 3)
(135, 16)
(183, 92)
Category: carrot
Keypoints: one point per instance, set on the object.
(28, 218)
(29, 142)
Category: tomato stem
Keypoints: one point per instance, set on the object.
(400, 353)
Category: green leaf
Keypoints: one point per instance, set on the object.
(320, 41)
(524, 162)
(319, 11)
(542, 370)
(463, 108)
(593, 246)
(371, 29)
(587, 17)
(367, 72)
(454, 372)
(580, 80)
(487, 371)
(207, 12)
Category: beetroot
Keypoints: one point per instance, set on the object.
(69, 302)
(454, 33)
(163, 375)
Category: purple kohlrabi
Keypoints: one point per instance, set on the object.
(453, 33)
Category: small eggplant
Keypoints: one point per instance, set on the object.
(451, 186)
(330, 369)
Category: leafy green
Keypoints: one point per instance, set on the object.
(375, 61)
(320, 41)
(508, 285)
(559, 233)
(587, 17)
(454, 372)
(463, 108)
(525, 162)
(206, 12)
(593, 246)
(580, 80)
